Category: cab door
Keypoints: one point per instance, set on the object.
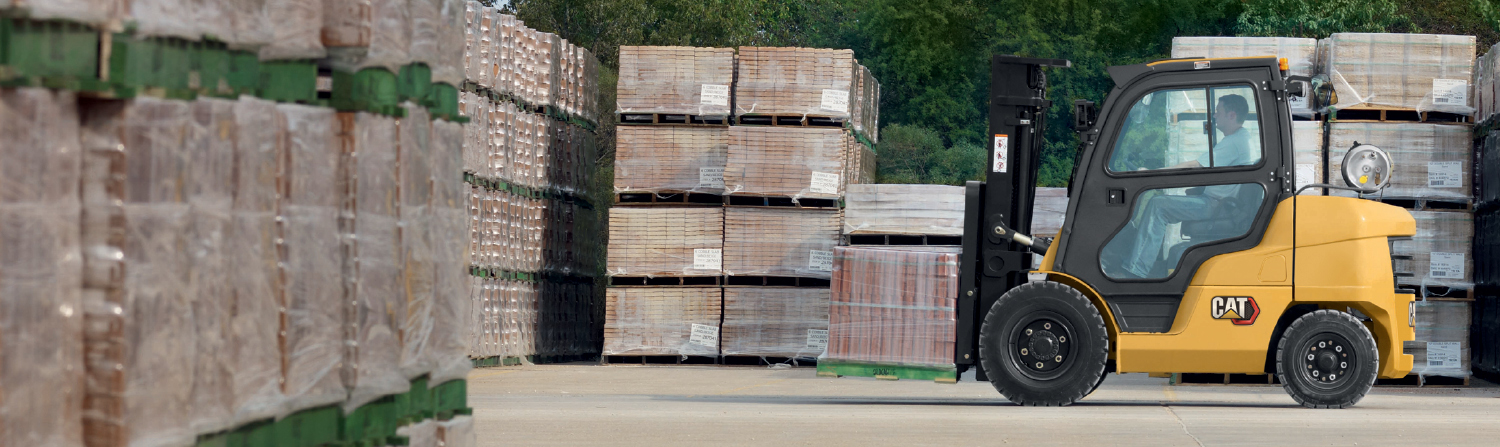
(1187, 165)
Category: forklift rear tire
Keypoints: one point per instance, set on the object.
(1327, 359)
(1043, 344)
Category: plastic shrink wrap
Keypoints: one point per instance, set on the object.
(42, 259)
(256, 283)
(893, 305)
(780, 242)
(424, 22)
(797, 162)
(794, 81)
(685, 80)
(662, 321)
(457, 432)
(1422, 72)
(450, 255)
(904, 209)
(372, 265)
(1048, 210)
(1442, 344)
(296, 28)
(659, 241)
(1432, 161)
(140, 335)
(363, 34)
(310, 206)
(670, 159)
(448, 66)
(414, 191)
(1300, 53)
(85, 11)
(1440, 254)
(859, 164)
(787, 322)
(209, 147)
(187, 19)
(1307, 155)
(420, 434)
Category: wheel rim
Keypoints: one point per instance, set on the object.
(1042, 345)
(1327, 360)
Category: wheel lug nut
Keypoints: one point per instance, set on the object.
(1309, 357)
(1338, 349)
(1023, 351)
(1028, 332)
(1062, 339)
(1046, 325)
(1059, 359)
(1039, 365)
(1322, 345)
(1343, 365)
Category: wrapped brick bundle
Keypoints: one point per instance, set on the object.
(794, 81)
(296, 28)
(420, 434)
(1431, 160)
(42, 261)
(893, 305)
(483, 318)
(187, 19)
(904, 209)
(139, 336)
(372, 265)
(479, 44)
(457, 432)
(519, 324)
(775, 321)
(1486, 90)
(92, 12)
(859, 167)
(660, 241)
(1307, 155)
(670, 159)
(1301, 55)
(686, 80)
(476, 134)
(1442, 344)
(865, 104)
(312, 255)
(1489, 161)
(1440, 254)
(256, 283)
(414, 192)
(548, 48)
(780, 241)
(1048, 211)
(210, 153)
(449, 64)
(250, 24)
(662, 320)
(450, 260)
(363, 34)
(797, 162)
(1422, 72)
(501, 68)
(424, 18)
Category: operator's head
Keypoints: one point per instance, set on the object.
(1230, 114)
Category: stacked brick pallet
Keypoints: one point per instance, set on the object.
(729, 172)
(1408, 94)
(1485, 315)
(533, 230)
(198, 249)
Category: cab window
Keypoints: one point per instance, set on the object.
(1176, 128)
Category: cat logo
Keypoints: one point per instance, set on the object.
(1240, 310)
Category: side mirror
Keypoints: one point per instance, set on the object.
(1084, 115)
(1367, 168)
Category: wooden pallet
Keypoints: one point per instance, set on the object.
(660, 281)
(1439, 293)
(1426, 204)
(778, 201)
(935, 373)
(756, 360)
(658, 360)
(669, 198)
(1366, 114)
(672, 119)
(775, 281)
(790, 120)
(903, 239)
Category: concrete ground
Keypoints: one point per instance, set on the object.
(582, 404)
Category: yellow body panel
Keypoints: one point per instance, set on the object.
(1339, 259)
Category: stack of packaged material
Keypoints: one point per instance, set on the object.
(905, 209)
(1307, 155)
(658, 241)
(1048, 212)
(1299, 53)
(893, 306)
(785, 242)
(667, 160)
(678, 321)
(805, 82)
(1442, 344)
(675, 80)
(1440, 254)
(791, 162)
(527, 154)
(790, 322)
(1431, 161)
(1421, 72)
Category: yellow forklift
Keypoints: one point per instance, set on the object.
(1186, 247)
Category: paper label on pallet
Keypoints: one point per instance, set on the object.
(824, 183)
(1445, 174)
(1002, 152)
(817, 340)
(1445, 265)
(1297, 102)
(704, 335)
(820, 260)
(1450, 92)
(1305, 174)
(708, 259)
(714, 95)
(1444, 354)
(711, 178)
(836, 100)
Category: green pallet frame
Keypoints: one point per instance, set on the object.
(415, 404)
(443, 103)
(450, 399)
(414, 83)
(287, 81)
(49, 53)
(156, 66)
(373, 90)
(308, 428)
(371, 425)
(887, 371)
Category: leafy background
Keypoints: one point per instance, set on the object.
(931, 56)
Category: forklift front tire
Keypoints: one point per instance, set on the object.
(1043, 344)
(1327, 359)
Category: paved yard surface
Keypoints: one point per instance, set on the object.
(583, 404)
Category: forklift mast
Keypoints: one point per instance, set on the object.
(991, 262)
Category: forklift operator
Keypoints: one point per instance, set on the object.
(1234, 149)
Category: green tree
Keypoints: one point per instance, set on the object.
(1319, 18)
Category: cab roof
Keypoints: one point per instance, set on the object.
(1123, 74)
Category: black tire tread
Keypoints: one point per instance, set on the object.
(1064, 397)
(1335, 317)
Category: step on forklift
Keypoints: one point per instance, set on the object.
(1186, 247)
